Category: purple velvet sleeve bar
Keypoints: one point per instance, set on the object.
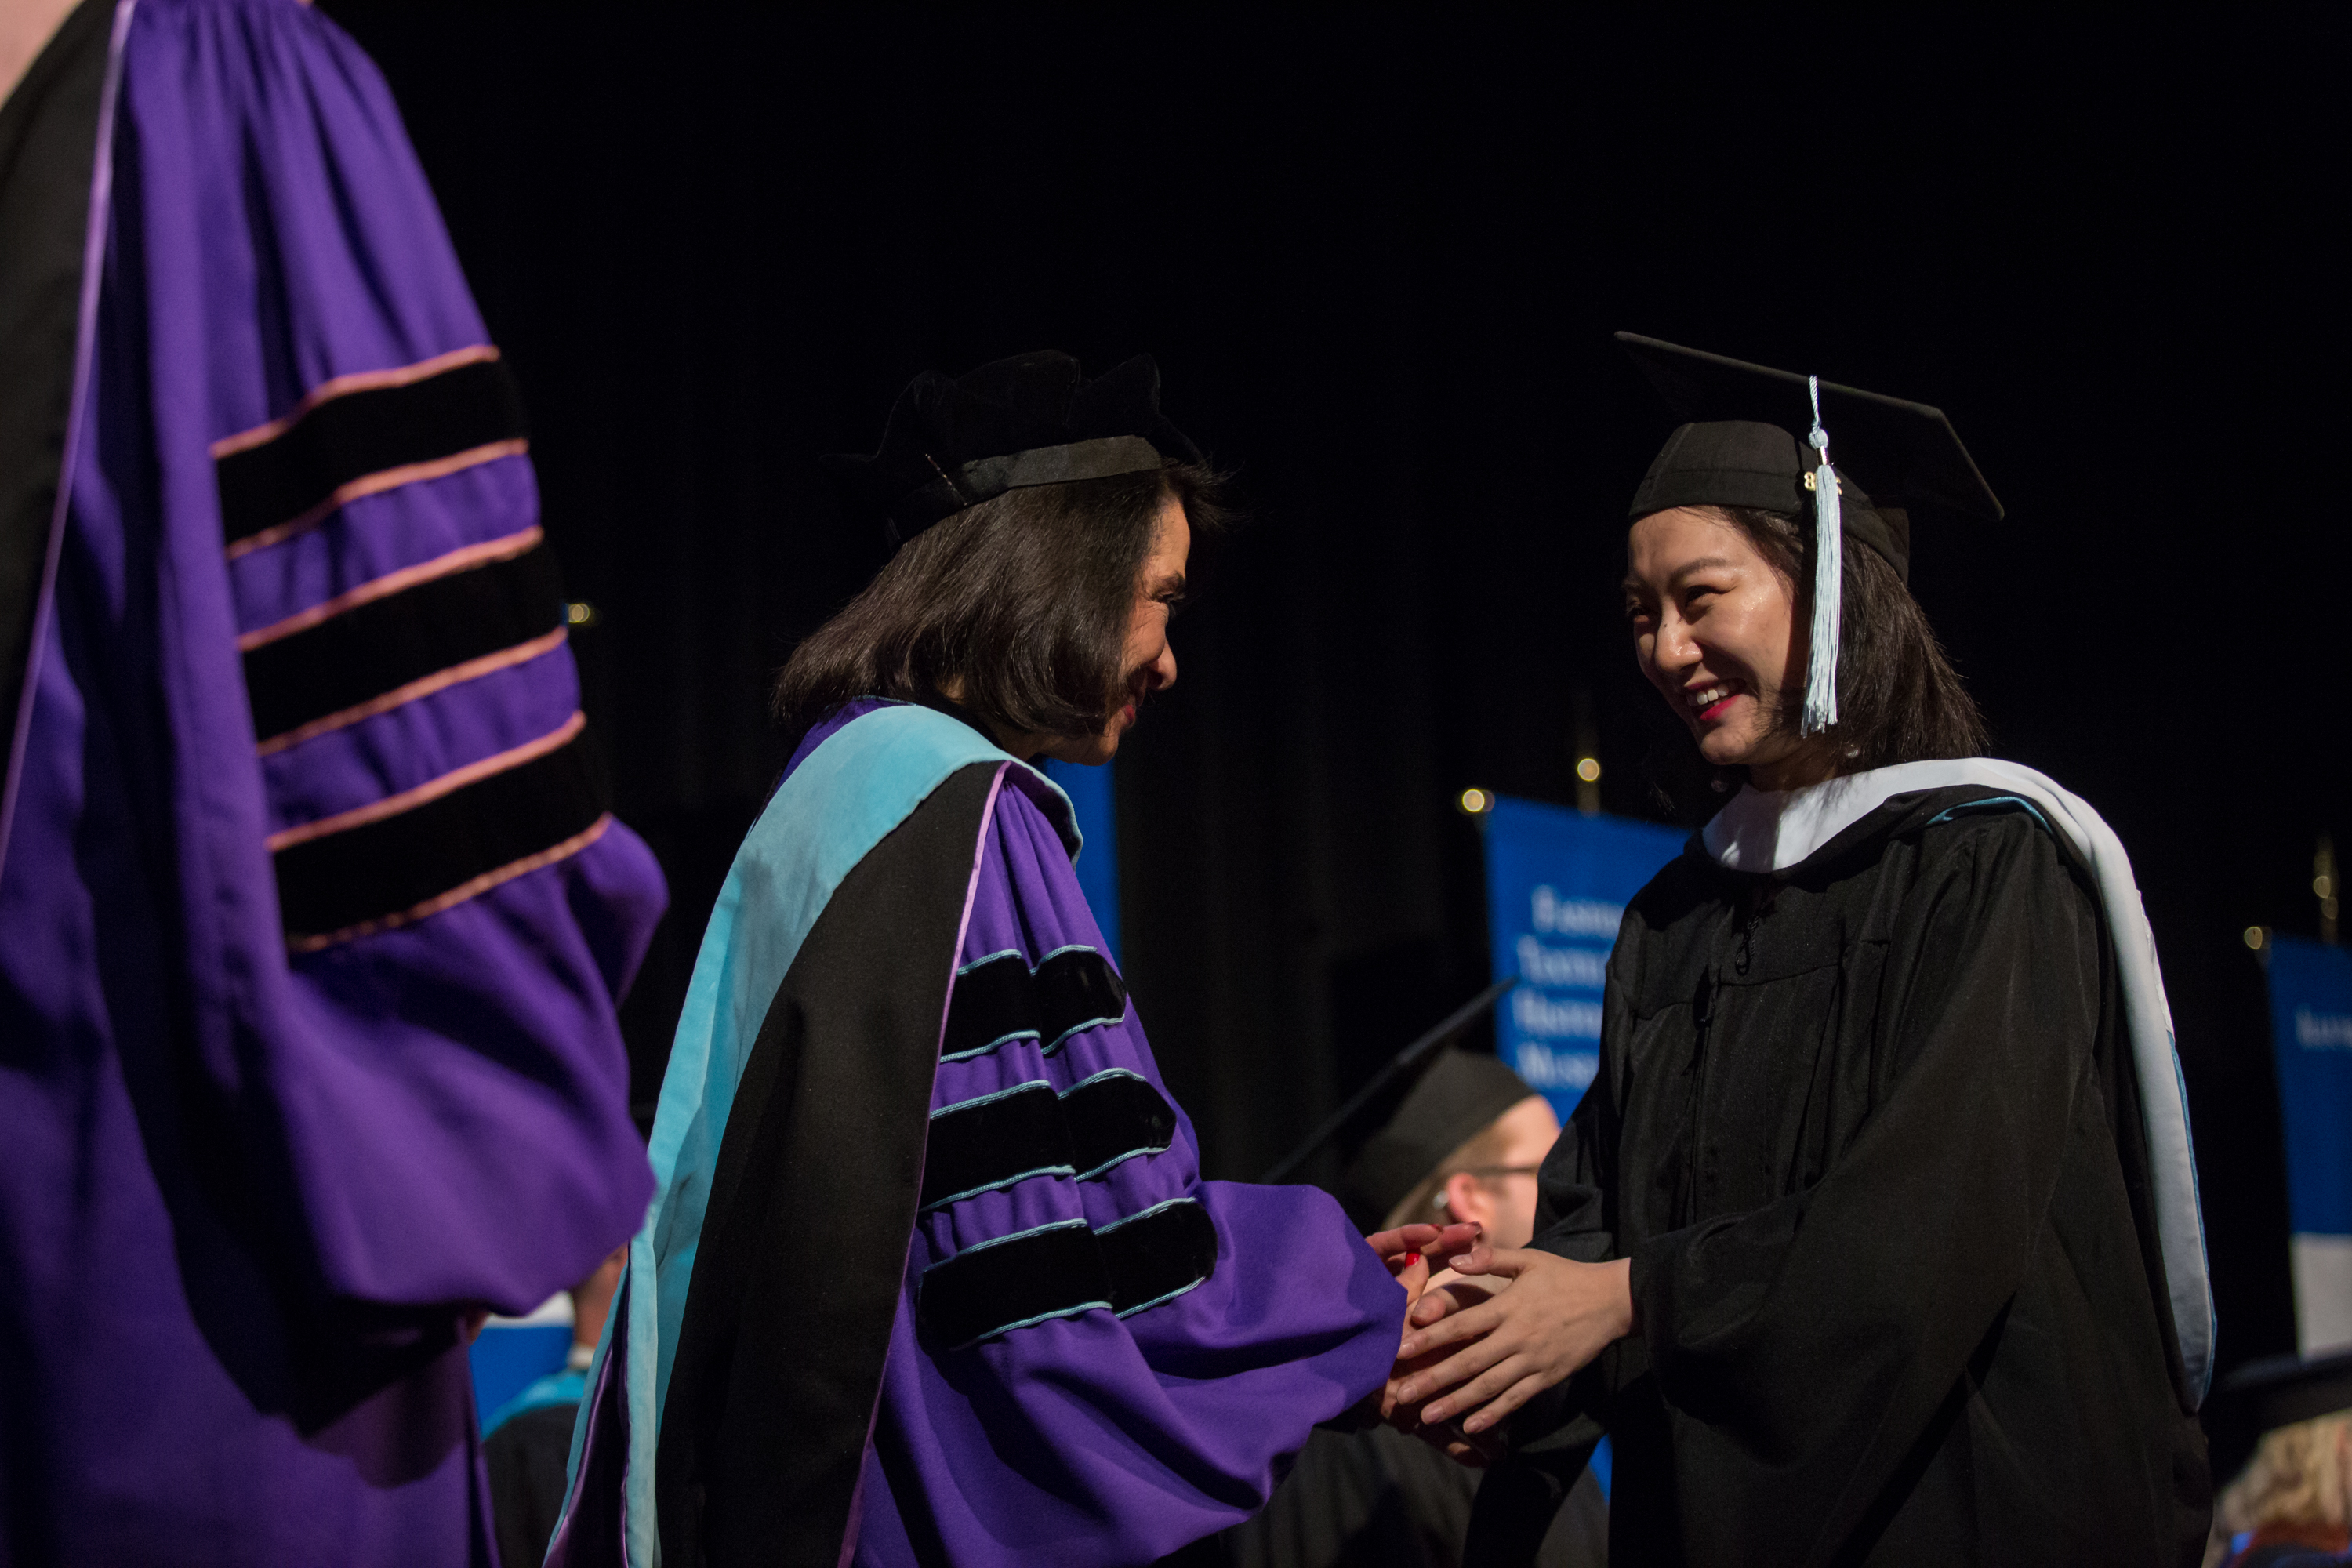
(1094, 1438)
(250, 1185)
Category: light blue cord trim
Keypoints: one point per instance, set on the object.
(1044, 1047)
(1131, 1154)
(1021, 1087)
(1014, 1235)
(1030, 1087)
(1083, 1306)
(1162, 1300)
(983, 1050)
(1143, 1213)
(1147, 1213)
(1098, 1076)
(1070, 1312)
(1026, 1086)
(1995, 803)
(1061, 1039)
(938, 1204)
(1033, 1322)
(1117, 1160)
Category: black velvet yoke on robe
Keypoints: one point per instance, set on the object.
(787, 1324)
(1870, 1131)
(48, 145)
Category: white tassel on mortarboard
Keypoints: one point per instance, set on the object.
(1829, 576)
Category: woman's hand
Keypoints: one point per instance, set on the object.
(1414, 1252)
(1436, 1243)
(1556, 1316)
(1449, 1292)
(1448, 1439)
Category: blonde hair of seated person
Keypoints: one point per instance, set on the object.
(2297, 1479)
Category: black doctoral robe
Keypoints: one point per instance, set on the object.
(1869, 1129)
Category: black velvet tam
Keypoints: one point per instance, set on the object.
(1458, 1097)
(1034, 419)
(1745, 445)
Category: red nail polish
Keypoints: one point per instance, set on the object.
(1410, 1259)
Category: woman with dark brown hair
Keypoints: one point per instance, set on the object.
(931, 1276)
(1876, 1241)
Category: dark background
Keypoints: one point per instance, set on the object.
(1377, 257)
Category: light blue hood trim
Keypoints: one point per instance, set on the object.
(845, 798)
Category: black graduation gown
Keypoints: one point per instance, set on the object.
(1870, 1131)
(1378, 1499)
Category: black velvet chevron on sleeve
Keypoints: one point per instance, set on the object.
(1029, 1131)
(1062, 1269)
(1158, 1255)
(994, 1142)
(382, 646)
(298, 470)
(1113, 1117)
(995, 1000)
(764, 1432)
(1000, 998)
(999, 1286)
(361, 877)
(1077, 990)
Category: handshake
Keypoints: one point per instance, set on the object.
(1487, 1329)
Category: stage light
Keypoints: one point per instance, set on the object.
(1476, 801)
(1588, 769)
(2255, 936)
(579, 613)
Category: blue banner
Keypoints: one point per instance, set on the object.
(2311, 1030)
(1557, 884)
(1091, 802)
(2311, 1036)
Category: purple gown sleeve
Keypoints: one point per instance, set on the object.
(286, 1014)
(1100, 1433)
(407, 918)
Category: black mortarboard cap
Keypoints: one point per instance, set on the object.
(1459, 1094)
(2266, 1394)
(1034, 419)
(1744, 445)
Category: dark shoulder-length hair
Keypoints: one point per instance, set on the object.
(1899, 699)
(1021, 604)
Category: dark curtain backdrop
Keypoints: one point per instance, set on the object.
(1378, 257)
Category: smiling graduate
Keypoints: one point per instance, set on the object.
(1876, 1239)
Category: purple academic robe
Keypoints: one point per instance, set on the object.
(1106, 1436)
(310, 919)
(950, 1288)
